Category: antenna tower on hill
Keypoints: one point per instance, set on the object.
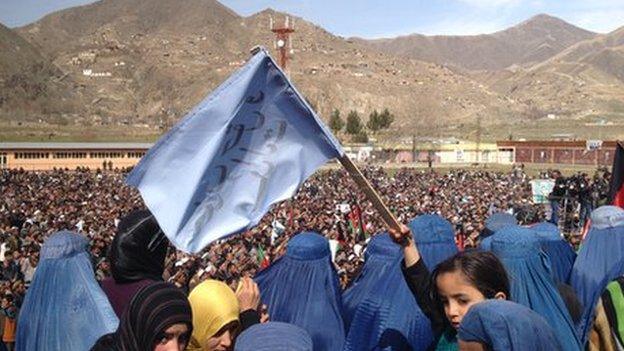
(283, 42)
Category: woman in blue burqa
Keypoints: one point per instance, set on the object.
(434, 237)
(379, 309)
(302, 288)
(532, 285)
(64, 308)
(493, 224)
(559, 251)
(272, 336)
(599, 261)
(501, 325)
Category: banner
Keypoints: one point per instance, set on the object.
(249, 144)
(541, 189)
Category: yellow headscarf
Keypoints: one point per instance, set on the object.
(214, 306)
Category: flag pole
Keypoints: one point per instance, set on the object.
(360, 180)
(370, 192)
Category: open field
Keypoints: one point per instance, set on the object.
(530, 169)
(535, 130)
(43, 132)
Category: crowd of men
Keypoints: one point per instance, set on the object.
(37, 204)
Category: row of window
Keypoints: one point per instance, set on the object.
(37, 155)
(69, 155)
(106, 155)
(31, 155)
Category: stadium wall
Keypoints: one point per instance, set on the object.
(583, 152)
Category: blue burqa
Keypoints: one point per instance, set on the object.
(302, 288)
(531, 283)
(559, 251)
(507, 326)
(598, 260)
(379, 307)
(64, 308)
(494, 223)
(435, 238)
(272, 336)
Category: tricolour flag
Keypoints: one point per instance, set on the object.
(249, 144)
(616, 189)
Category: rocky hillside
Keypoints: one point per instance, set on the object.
(532, 41)
(584, 81)
(148, 61)
(30, 85)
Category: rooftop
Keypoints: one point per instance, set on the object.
(75, 146)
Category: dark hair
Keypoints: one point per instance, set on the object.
(481, 268)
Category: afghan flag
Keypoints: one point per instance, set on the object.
(262, 259)
(356, 224)
(616, 191)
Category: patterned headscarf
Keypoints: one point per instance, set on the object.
(153, 309)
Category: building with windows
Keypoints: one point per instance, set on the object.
(46, 156)
(108, 156)
(576, 152)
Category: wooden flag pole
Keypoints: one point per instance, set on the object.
(372, 195)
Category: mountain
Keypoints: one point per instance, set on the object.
(146, 63)
(30, 84)
(529, 42)
(143, 61)
(114, 20)
(586, 80)
(150, 61)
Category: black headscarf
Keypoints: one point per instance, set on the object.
(152, 310)
(139, 249)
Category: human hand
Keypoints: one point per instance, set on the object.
(402, 237)
(264, 314)
(248, 294)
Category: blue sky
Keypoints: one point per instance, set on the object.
(389, 18)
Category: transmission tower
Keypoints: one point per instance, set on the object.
(283, 42)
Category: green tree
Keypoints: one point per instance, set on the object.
(361, 137)
(374, 122)
(386, 119)
(336, 123)
(354, 123)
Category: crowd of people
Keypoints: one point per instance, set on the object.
(110, 217)
(36, 204)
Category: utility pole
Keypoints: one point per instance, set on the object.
(478, 156)
(414, 148)
(282, 40)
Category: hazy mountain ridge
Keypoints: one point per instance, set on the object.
(529, 42)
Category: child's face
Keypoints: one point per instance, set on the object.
(457, 295)
(471, 346)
